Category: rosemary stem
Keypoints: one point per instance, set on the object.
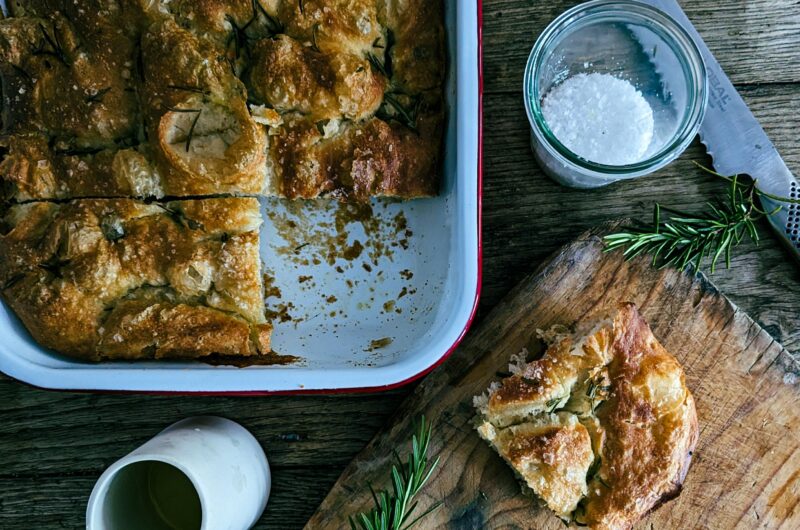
(758, 191)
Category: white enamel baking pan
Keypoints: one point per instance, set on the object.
(371, 323)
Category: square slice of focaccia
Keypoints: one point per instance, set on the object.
(123, 279)
(601, 428)
(151, 99)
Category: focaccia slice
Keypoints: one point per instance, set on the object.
(123, 279)
(33, 169)
(609, 407)
(69, 80)
(551, 455)
(203, 138)
(353, 161)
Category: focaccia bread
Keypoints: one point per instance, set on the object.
(601, 427)
(122, 279)
(178, 98)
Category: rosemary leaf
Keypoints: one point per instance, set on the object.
(593, 469)
(21, 71)
(378, 65)
(175, 109)
(393, 109)
(77, 151)
(180, 218)
(314, 44)
(553, 404)
(54, 265)
(97, 97)
(274, 26)
(54, 41)
(190, 135)
(188, 88)
(423, 514)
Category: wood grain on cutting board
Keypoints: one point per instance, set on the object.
(746, 469)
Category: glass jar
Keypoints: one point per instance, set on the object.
(631, 41)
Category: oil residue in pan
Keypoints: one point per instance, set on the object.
(312, 241)
(332, 266)
(377, 344)
(277, 309)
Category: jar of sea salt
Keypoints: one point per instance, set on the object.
(614, 89)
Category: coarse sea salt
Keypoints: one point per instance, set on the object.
(600, 118)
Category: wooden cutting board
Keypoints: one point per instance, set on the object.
(746, 469)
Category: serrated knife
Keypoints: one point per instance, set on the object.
(737, 143)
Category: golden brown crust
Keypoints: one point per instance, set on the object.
(629, 393)
(551, 456)
(74, 87)
(292, 77)
(31, 170)
(185, 85)
(121, 279)
(650, 424)
(334, 25)
(418, 52)
(205, 140)
(356, 161)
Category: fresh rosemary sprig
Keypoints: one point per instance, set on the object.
(393, 509)
(684, 240)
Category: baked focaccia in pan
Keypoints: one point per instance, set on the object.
(601, 428)
(181, 98)
(123, 279)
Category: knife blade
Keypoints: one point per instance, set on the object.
(737, 143)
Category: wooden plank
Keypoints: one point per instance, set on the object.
(521, 204)
(60, 502)
(745, 384)
(754, 41)
(58, 432)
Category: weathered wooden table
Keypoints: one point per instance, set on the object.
(54, 445)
